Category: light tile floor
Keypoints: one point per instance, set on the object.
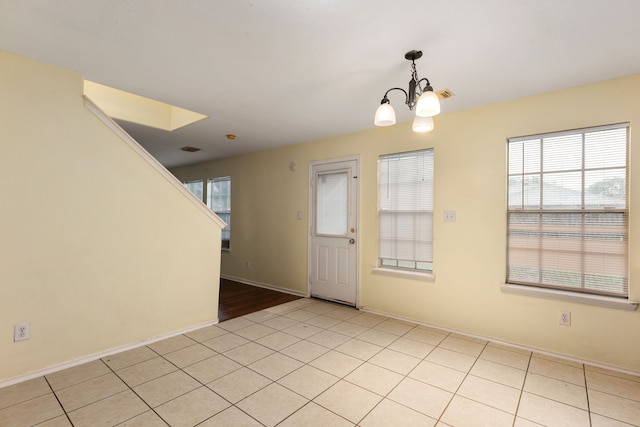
(314, 363)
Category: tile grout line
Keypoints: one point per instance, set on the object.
(405, 376)
(408, 373)
(181, 395)
(66, 414)
(339, 378)
(280, 352)
(586, 391)
(134, 392)
(203, 385)
(309, 401)
(466, 375)
(86, 381)
(364, 323)
(526, 372)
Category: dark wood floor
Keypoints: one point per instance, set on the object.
(238, 299)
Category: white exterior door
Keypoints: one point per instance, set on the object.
(333, 245)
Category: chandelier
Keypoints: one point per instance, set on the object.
(423, 99)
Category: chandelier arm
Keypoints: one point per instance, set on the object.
(427, 86)
(406, 95)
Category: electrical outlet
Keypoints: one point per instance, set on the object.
(21, 332)
(565, 318)
(248, 264)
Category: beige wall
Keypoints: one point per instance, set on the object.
(469, 255)
(99, 251)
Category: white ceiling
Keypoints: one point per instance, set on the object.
(278, 72)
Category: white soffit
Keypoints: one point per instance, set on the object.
(129, 107)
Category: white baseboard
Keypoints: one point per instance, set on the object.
(263, 285)
(100, 355)
(507, 344)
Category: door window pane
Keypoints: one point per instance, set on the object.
(331, 204)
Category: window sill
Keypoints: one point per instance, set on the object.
(602, 301)
(427, 277)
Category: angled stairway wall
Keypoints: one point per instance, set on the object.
(102, 249)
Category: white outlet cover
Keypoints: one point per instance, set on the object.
(21, 332)
(565, 318)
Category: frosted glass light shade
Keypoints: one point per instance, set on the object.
(422, 124)
(385, 115)
(428, 104)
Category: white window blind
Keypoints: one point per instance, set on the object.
(219, 201)
(195, 187)
(567, 210)
(332, 195)
(405, 210)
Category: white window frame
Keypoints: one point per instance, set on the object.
(405, 248)
(224, 214)
(552, 242)
(191, 184)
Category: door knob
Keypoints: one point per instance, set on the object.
(352, 241)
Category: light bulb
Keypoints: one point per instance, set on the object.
(428, 104)
(422, 124)
(385, 115)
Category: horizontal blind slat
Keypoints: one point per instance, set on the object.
(567, 219)
(405, 208)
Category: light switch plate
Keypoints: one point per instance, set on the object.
(449, 216)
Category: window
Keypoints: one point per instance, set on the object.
(332, 199)
(195, 187)
(219, 201)
(405, 210)
(567, 210)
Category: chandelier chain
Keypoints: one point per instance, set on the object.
(414, 76)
